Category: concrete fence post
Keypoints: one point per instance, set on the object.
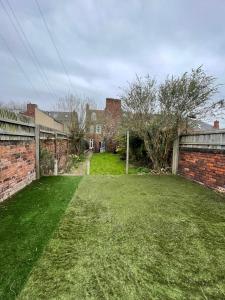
(37, 150)
(175, 159)
(127, 153)
(55, 167)
(88, 167)
(56, 156)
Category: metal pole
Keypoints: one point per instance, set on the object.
(88, 167)
(175, 160)
(127, 153)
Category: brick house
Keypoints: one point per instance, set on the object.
(102, 125)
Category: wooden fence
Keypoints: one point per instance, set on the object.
(20, 144)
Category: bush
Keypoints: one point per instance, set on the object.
(136, 149)
(74, 161)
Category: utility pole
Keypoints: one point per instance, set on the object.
(127, 153)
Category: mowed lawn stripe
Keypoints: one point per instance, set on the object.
(109, 164)
(27, 222)
(135, 237)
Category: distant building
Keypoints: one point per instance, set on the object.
(198, 125)
(69, 119)
(102, 125)
(42, 118)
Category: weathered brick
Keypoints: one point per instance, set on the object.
(16, 172)
(206, 168)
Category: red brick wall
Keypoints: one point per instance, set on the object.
(17, 166)
(112, 120)
(204, 166)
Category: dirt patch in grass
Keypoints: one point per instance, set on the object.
(135, 237)
(27, 222)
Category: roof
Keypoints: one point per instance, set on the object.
(62, 116)
(198, 125)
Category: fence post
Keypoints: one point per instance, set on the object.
(56, 157)
(127, 153)
(175, 160)
(37, 147)
(55, 167)
(88, 167)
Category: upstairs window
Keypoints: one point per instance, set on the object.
(98, 129)
(93, 116)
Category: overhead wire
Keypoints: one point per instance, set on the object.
(55, 46)
(27, 45)
(19, 65)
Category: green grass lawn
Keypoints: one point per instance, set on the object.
(135, 237)
(109, 164)
(27, 222)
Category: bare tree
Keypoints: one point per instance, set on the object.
(158, 115)
(13, 105)
(189, 95)
(75, 106)
(140, 105)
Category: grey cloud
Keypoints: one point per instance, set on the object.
(105, 43)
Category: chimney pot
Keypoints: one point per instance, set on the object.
(216, 124)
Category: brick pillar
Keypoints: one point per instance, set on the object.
(30, 110)
(216, 124)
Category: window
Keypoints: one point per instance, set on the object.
(92, 129)
(98, 129)
(93, 116)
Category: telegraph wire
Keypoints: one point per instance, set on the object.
(27, 45)
(42, 72)
(19, 65)
(54, 45)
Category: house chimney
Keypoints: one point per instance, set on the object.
(113, 105)
(30, 110)
(216, 125)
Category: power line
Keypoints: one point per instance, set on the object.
(19, 65)
(27, 46)
(33, 52)
(54, 45)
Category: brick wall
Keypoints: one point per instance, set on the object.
(17, 166)
(113, 117)
(19, 141)
(200, 156)
(204, 166)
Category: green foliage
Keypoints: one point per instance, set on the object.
(27, 221)
(158, 114)
(135, 237)
(77, 141)
(74, 161)
(46, 162)
(137, 151)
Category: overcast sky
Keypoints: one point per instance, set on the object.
(104, 43)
